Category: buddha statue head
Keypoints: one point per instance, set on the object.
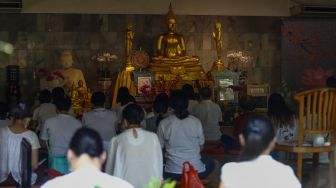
(218, 26)
(171, 20)
(66, 59)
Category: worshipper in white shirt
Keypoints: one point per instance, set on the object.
(102, 120)
(45, 110)
(188, 91)
(210, 115)
(283, 119)
(10, 146)
(160, 111)
(181, 135)
(256, 168)
(86, 155)
(4, 120)
(135, 155)
(58, 132)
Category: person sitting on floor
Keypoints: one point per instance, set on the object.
(188, 91)
(247, 104)
(102, 120)
(45, 110)
(160, 108)
(10, 146)
(181, 135)
(283, 119)
(58, 131)
(135, 155)
(256, 168)
(86, 155)
(210, 115)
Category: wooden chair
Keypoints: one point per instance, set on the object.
(317, 116)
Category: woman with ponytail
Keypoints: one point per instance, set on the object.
(256, 168)
(182, 137)
(135, 155)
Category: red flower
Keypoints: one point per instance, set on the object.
(58, 74)
(316, 76)
(50, 78)
(43, 70)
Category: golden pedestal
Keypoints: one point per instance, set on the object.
(170, 70)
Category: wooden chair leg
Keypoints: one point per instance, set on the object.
(331, 168)
(299, 166)
(315, 173)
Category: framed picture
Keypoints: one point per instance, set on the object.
(144, 82)
(224, 81)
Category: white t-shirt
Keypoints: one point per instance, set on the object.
(103, 121)
(182, 140)
(210, 115)
(286, 133)
(43, 112)
(10, 150)
(262, 172)
(135, 160)
(59, 131)
(87, 177)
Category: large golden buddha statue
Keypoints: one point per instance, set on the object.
(172, 61)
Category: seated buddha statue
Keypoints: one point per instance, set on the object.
(171, 53)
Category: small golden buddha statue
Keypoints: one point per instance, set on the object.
(172, 60)
(80, 96)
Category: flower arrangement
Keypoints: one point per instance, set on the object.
(54, 78)
(104, 58)
(236, 88)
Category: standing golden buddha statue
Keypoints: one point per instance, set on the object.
(171, 60)
(129, 37)
(217, 35)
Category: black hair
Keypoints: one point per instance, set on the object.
(278, 111)
(127, 99)
(19, 112)
(133, 114)
(205, 93)
(123, 93)
(3, 110)
(258, 133)
(63, 104)
(188, 91)
(161, 103)
(86, 141)
(331, 81)
(160, 106)
(247, 103)
(57, 93)
(45, 96)
(179, 102)
(98, 98)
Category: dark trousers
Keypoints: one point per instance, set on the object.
(209, 167)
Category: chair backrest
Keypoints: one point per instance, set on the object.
(317, 112)
(26, 163)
